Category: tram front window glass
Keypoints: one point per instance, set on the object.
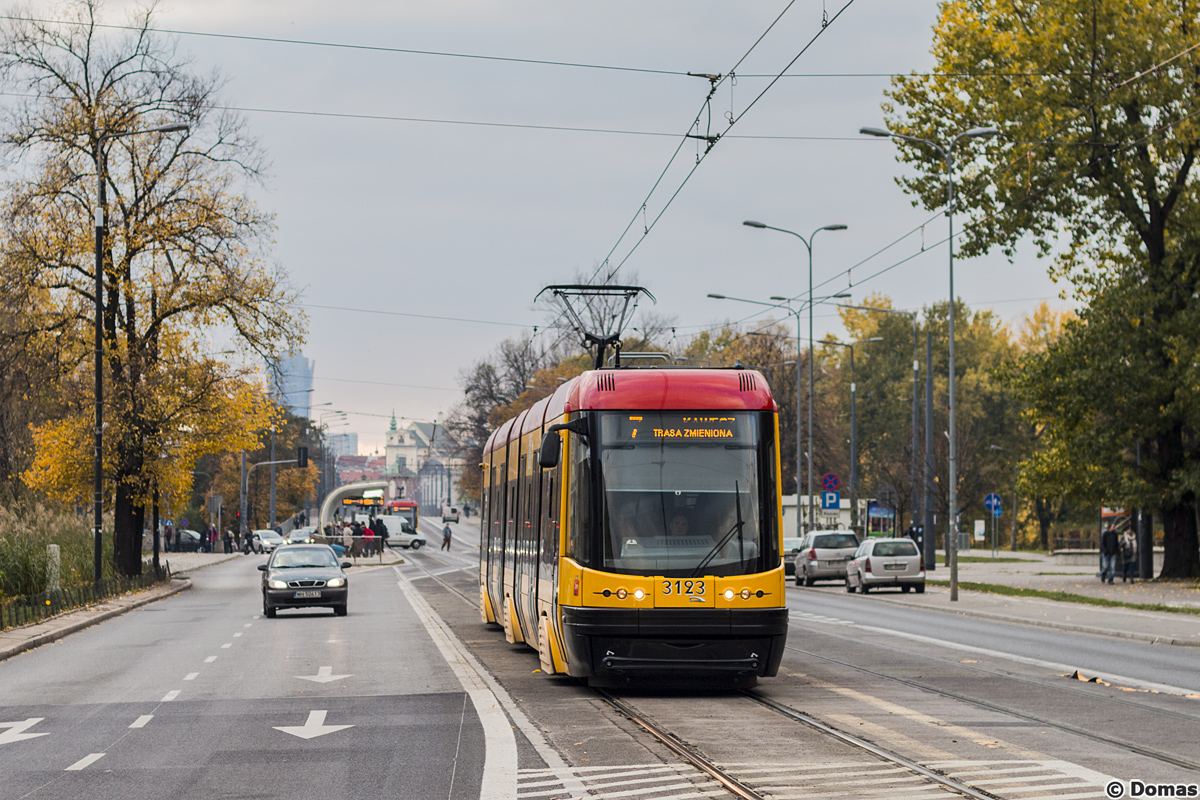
(681, 493)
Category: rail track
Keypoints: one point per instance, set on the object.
(726, 778)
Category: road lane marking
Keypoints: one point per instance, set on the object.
(169, 696)
(324, 675)
(248, 624)
(313, 727)
(239, 633)
(141, 721)
(84, 762)
(191, 676)
(16, 730)
(500, 743)
(1036, 662)
(227, 645)
(210, 659)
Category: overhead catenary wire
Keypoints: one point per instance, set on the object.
(712, 140)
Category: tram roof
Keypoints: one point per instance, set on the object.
(642, 388)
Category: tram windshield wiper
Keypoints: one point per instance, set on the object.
(737, 528)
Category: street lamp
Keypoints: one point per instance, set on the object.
(947, 154)
(97, 466)
(784, 306)
(853, 428)
(808, 245)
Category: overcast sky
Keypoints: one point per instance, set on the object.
(471, 221)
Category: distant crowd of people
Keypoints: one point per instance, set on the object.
(359, 539)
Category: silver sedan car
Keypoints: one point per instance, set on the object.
(886, 562)
(824, 555)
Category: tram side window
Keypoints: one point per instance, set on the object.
(581, 493)
(549, 523)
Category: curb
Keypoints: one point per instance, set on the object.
(202, 566)
(1037, 623)
(9, 651)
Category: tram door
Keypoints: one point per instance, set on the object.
(527, 559)
(496, 537)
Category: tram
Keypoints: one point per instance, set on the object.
(407, 509)
(631, 526)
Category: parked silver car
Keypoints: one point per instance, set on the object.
(886, 562)
(824, 555)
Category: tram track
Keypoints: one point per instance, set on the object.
(710, 768)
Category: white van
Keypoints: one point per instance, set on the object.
(449, 513)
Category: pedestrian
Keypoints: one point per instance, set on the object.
(1110, 552)
(228, 541)
(1128, 557)
(446, 537)
(381, 533)
(369, 539)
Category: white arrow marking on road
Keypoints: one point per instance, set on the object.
(313, 727)
(324, 675)
(14, 732)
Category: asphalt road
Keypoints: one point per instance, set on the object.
(189, 698)
(829, 608)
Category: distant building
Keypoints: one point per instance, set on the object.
(423, 464)
(353, 468)
(343, 444)
(292, 386)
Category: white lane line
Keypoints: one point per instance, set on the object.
(84, 762)
(1036, 662)
(141, 721)
(239, 633)
(490, 701)
(191, 676)
(227, 645)
(210, 659)
(248, 624)
(169, 696)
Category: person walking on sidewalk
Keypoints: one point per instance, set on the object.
(1110, 552)
(446, 537)
(1128, 557)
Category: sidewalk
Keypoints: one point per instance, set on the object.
(18, 640)
(1040, 572)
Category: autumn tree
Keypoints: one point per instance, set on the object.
(185, 247)
(1096, 100)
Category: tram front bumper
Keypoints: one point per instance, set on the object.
(621, 641)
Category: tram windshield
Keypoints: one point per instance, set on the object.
(683, 493)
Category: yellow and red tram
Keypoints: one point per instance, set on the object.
(631, 525)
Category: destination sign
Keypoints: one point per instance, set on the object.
(658, 427)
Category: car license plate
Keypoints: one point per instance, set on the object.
(683, 592)
(893, 566)
(308, 593)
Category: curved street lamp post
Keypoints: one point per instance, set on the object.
(808, 246)
(947, 154)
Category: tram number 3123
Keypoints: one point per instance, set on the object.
(683, 587)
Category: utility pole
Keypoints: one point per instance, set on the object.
(930, 496)
(242, 525)
(272, 478)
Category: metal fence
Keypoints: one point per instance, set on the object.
(25, 609)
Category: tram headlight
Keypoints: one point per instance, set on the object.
(729, 594)
(622, 594)
(746, 594)
(638, 594)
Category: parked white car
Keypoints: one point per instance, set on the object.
(886, 562)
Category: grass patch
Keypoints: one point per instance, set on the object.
(1066, 597)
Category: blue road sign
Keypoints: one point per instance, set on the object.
(992, 504)
(831, 501)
